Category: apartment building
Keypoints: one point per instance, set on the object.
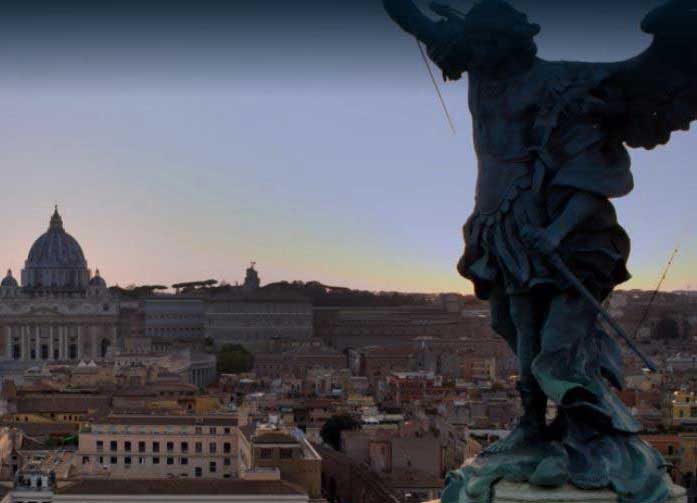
(154, 447)
(285, 449)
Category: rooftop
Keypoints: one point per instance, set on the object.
(273, 437)
(412, 479)
(180, 487)
(62, 403)
(43, 429)
(219, 420)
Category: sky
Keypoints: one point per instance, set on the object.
(183, 140)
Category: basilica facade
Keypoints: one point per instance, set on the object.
(59, 311)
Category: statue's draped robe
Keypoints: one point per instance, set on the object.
(538, 144)
(536, 147)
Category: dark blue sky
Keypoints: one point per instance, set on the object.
(183, 140)
(302, 40)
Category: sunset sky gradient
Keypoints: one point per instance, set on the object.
(180, 144)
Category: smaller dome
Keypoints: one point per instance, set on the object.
(9, 281)
(97, 280)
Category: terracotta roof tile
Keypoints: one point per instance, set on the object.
(179, 487)
(169, 420)
(61, 403)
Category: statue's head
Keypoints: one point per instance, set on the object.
(493, 34)
(499, 17)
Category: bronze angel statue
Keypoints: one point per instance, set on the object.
(551, 140)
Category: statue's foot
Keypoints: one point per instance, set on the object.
(522, 436)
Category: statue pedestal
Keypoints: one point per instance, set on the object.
(509, 492)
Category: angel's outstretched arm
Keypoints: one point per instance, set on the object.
(444, 38)
(410, 18)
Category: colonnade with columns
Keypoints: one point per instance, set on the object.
(48, 341)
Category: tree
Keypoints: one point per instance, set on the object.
(136, 292)
(234, 359)
(194, 285)
(331, 431)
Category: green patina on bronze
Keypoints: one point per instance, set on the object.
(551, 141)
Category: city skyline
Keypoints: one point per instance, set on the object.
(234, 275)
(189, 149)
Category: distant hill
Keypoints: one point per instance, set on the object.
(325, 295)
(317, 293)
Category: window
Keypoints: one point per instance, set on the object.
(155, 461)
(185, 446)
(170, 446)
(199, 430)
(100, 445)
(127, 460)
(184, 461)
(101, 460)
(286, 454)
(212, 430)
(141, 446)
(170, 460)
(266, 453)
(212, 467)
(227, 461)
(141, 460)
(227, 430)
(114, 460)
(198, 472)
(156, 447)
(227, 448)
(85, 460)
(113, 446)
(127, 446)
(199, 447)
(212, 447)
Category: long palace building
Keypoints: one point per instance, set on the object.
(60, 311)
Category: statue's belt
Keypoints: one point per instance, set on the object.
(499, 181)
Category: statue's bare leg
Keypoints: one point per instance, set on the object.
(526, 315)
(501, 321)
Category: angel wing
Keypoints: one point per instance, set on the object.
(655, 93)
